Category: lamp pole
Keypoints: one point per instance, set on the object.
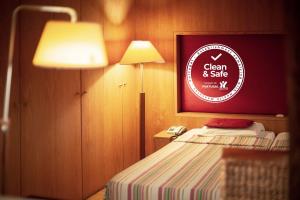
(142, 113)
(138, 53)
(53, 9)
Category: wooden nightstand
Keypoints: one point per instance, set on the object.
(162, 138)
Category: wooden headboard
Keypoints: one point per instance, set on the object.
(271, 123)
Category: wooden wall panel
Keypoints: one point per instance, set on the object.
(119, 31)
(12, 162)
(69, 140)
(109, 144)
(50, 119)
(92, 114)
(158, 20)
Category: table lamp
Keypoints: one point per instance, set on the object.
(63, 45)
(140, 52)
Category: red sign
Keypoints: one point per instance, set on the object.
(232, 73)
(215, 73)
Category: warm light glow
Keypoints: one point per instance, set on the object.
(71, 46)
(116, 10)
(141, 52)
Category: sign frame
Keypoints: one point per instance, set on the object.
(178, 76)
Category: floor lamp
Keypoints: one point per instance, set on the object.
(63, 45)
(140, 52)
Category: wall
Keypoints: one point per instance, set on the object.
(158, 20)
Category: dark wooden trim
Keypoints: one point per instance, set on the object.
(293, 58)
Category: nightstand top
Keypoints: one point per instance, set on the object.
(164, 134)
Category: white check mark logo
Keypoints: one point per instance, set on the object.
(217, 57)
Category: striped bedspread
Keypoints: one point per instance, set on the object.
(281, 142)
(187, 168)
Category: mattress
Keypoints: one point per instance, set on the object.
(187, 168)
(281, 142)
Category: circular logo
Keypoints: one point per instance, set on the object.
(215, 73)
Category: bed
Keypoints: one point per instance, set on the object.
(187, 168)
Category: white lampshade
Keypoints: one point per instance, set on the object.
(71, 46)
(141, 52)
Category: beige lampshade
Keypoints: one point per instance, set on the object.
(71, 46)
(141, 52)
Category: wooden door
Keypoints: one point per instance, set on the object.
(109, 124)
(92, 114)
(101, 127)
(92, 131)
(130, 117)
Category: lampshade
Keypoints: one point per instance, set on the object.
(71, 46)
(141, 52)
